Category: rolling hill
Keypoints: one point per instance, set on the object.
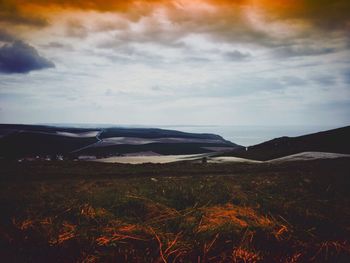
(18, 141)
(332, 141)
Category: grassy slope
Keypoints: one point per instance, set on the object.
(158, 133)
(160, 148)
(334, 141)
(31, 140)
(72, 211)
(18, 145)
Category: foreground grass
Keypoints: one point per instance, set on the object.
(87, 212)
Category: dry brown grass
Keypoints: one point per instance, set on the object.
(258, 217)
(243, 255)
(239, 217)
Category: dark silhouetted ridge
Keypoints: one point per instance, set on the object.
(333, 141)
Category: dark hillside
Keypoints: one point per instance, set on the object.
(334, 141)
(18, 141)
(21, 144)
(156, 133)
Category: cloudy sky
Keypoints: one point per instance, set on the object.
(157, 62)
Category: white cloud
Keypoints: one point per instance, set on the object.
(151, 72)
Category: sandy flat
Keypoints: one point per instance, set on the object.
(144, 154)
(305, 156)
(150, 159)
(79, 135)
(231, 159)
(223, 159)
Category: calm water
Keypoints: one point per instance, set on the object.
(251, 135)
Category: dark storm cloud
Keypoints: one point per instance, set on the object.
(228, 22)
(230, 25)
(16, 56)
(10, 13)
(326, 14)
(5, 36)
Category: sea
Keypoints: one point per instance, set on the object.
(251, 135)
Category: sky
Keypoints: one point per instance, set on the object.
(175, 62)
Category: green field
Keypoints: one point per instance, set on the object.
(181, 212)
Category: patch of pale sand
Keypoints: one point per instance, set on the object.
(147, 153)
(124, 140)
(150, 159)
(79, 135)
(305, 156)
(230, 159)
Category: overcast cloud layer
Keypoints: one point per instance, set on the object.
(222, 62)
